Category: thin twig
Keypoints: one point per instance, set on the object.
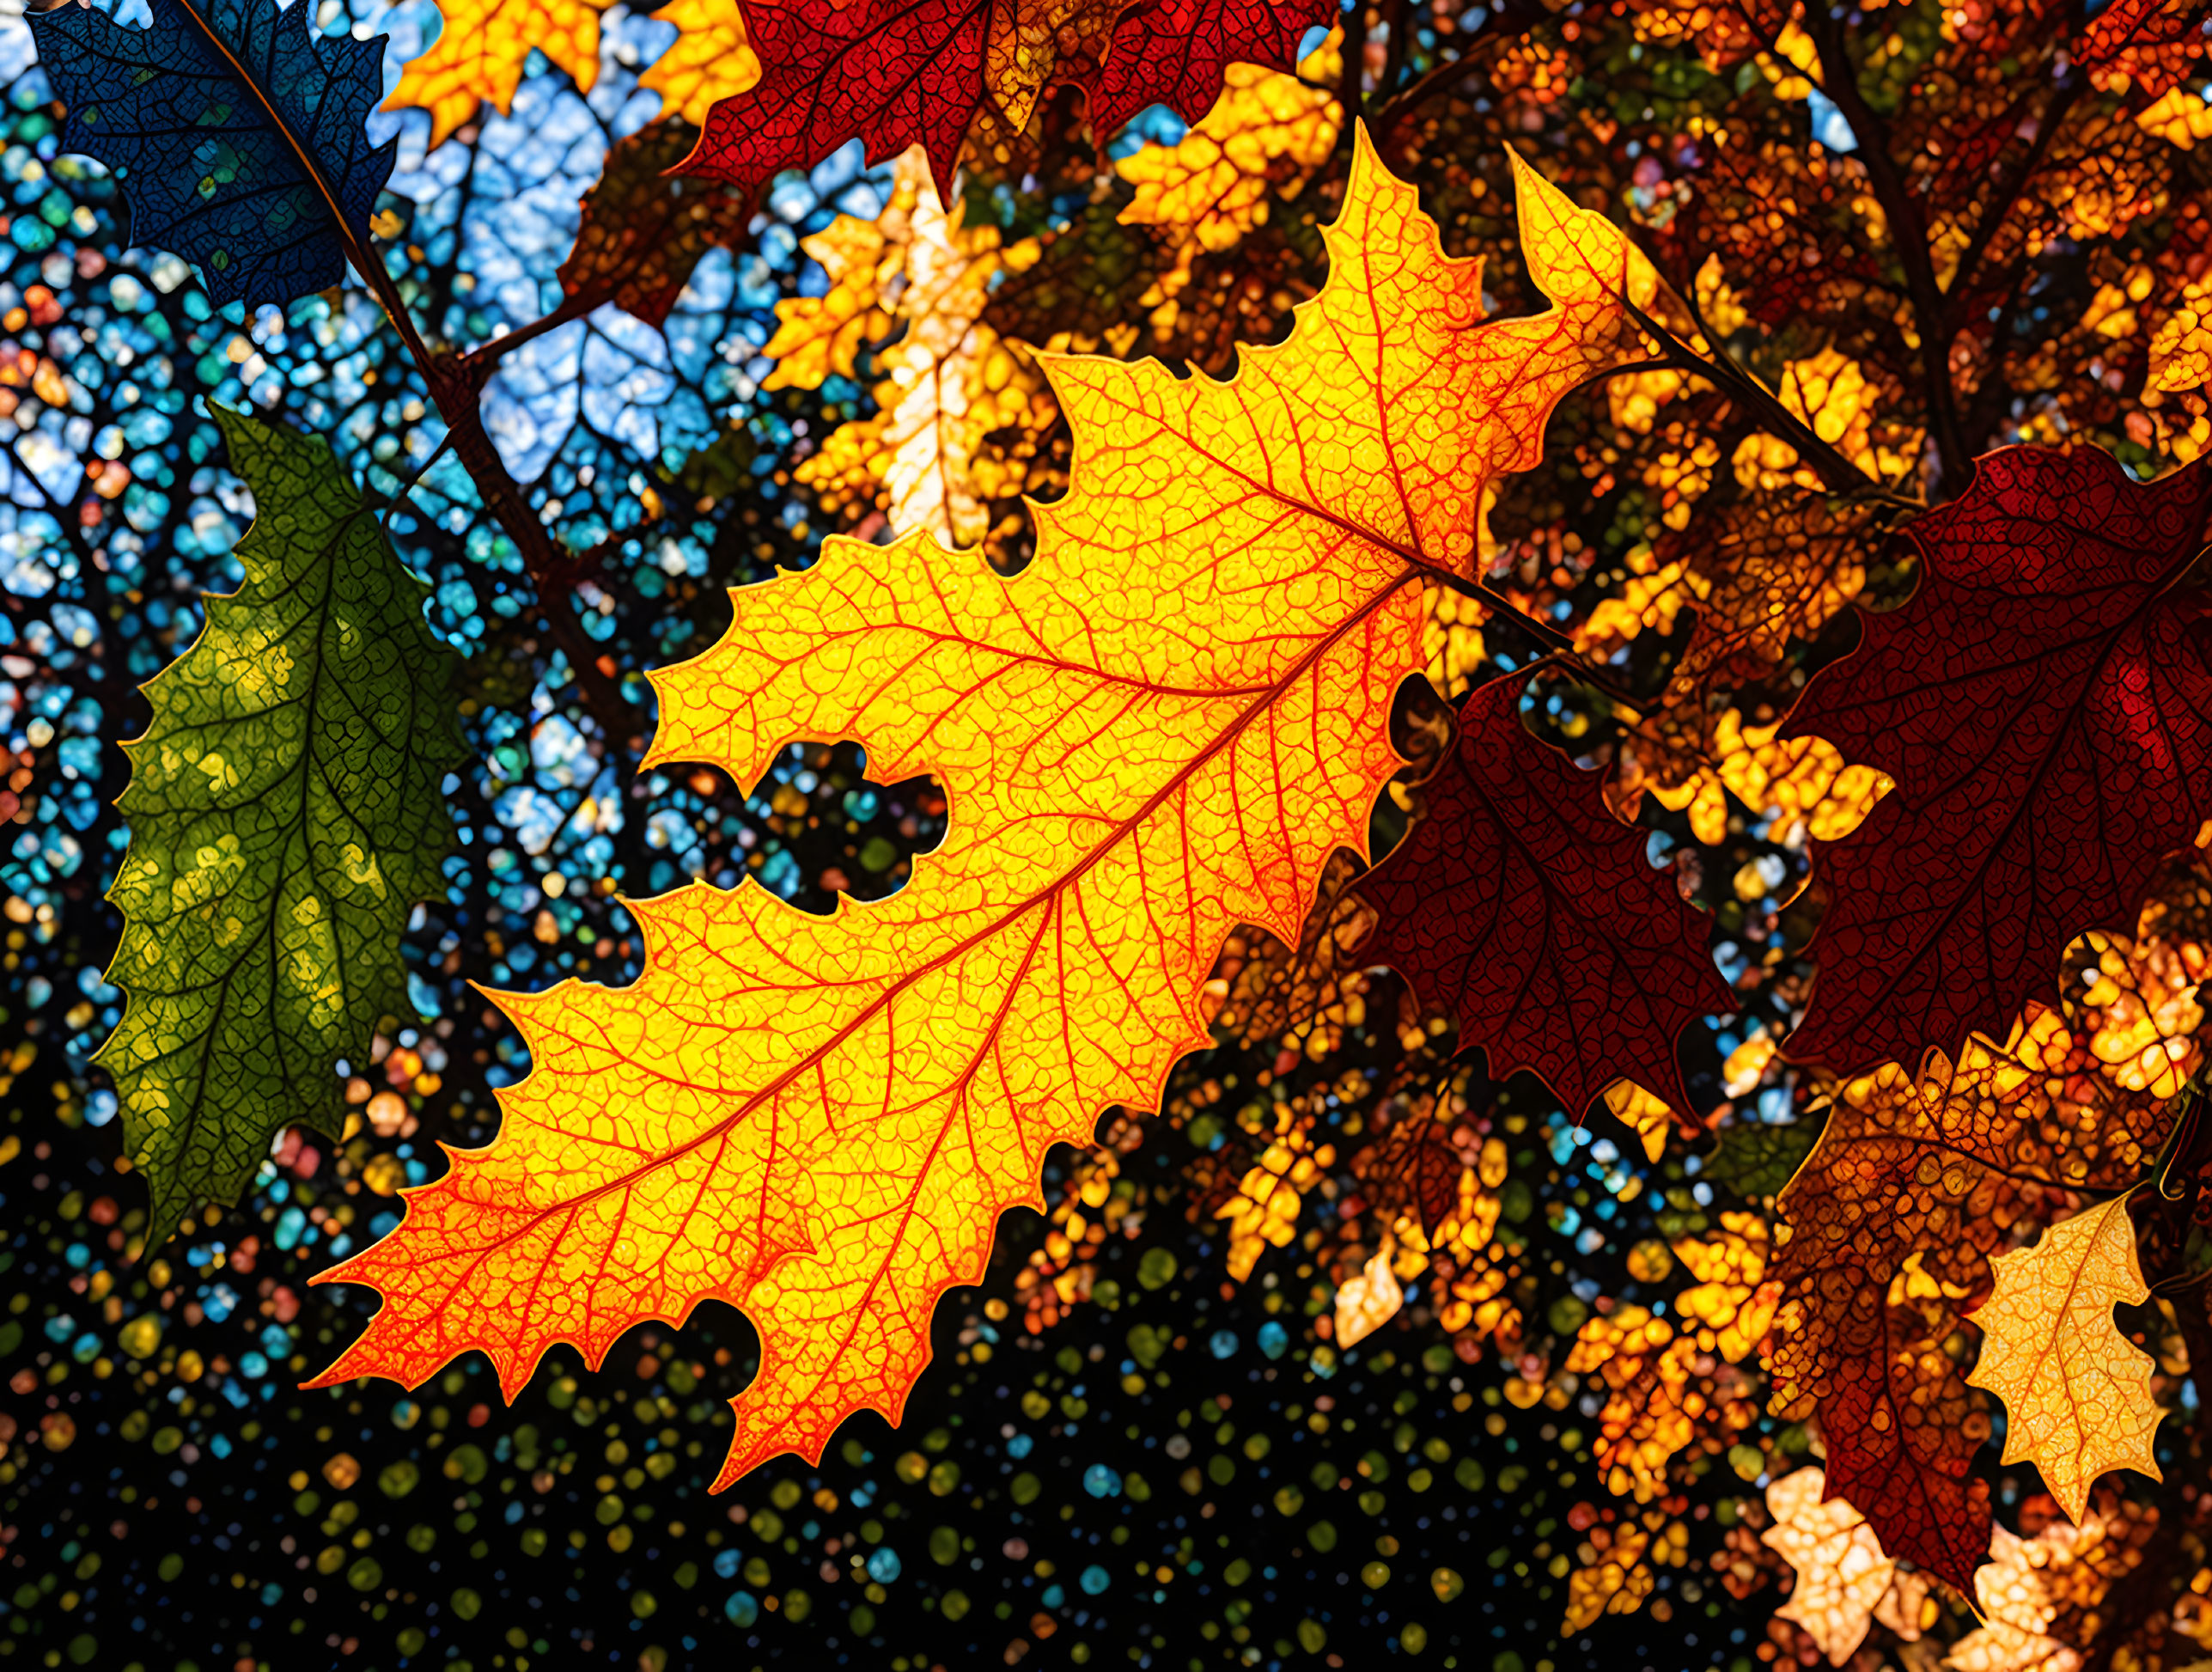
(1563, 651)
(487, 354)
(384, 516)
(1843, 477)
(2001, 200)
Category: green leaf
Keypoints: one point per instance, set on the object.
(285, 816)
(1756, 1160)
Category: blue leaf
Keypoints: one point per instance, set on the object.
(209, 171)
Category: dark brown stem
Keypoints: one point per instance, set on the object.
(1908, 229)
(1349, 85)
(1400, 25)
(480, 359)
(2002, 201)
(1563, 654)
(1841, 476)
(552, 573)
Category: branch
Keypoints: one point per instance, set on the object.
(552, 574)
(1843, 477)
(2000, 203)
(1400, 25)
(1353, 71)
(1908, 235)
(481, 359)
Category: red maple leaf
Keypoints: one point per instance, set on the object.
(896, 73)
(1524, 905)
(2045, 706)
(1174, 53)
(889, 73)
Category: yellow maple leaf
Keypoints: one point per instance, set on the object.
(2181, 348)
(1164, 726)
(1841, 1572)
(479, 54)
(1261, 142)
(709, 61)
(2076, 1391)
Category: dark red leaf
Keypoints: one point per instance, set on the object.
(2044, 706)
(642, 232)
(895, 73)
(1173, 52)
(1524, 906)
(890, 73)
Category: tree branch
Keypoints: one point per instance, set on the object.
(1907, 232)
(2002, 201)
(1841, 477)
(1512, 17)
(552, 573)
(1350, 92)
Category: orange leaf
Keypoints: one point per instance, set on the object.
(479, 54)
(2076, 1391)
(710, 61)
(1165, 725)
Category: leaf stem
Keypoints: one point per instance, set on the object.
(1841, 476)
(1563, 651)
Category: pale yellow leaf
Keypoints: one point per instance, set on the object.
(2076, 1391)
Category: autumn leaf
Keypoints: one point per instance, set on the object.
(1909, 1192)
(2045, 708)
(1521, 904)
(960, 410)
(1163, 726)
(479, 54)
(1367, 1301)
(2016, 1610)
(711, 60)
(285, 816)
(1843, 1574)
(289, 169)
(642, 232)
(1800, 784)
(2076, 1391)
(1256, 148)
(1264, 1211)
(1613, 1577)
(1662, 1388)
(1755, 1159)
(2181, 348)
(893, 75)
(1176, 52)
